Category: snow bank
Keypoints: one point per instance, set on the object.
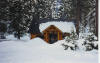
(63, 26)
(38, 51)
(11, 37)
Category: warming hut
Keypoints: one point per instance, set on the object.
(54, 31)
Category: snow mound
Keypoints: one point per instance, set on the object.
(11, 37)
(63, 26)
(38, 51)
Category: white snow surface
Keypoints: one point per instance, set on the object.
(11, 37)
(63, 26)
(38, 51)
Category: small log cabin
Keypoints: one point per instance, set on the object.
(52, 34)
(53, 31)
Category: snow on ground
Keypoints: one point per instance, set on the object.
(38, 51)
(63, 26)
(11, 37)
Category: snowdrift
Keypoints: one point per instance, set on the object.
(38, 51)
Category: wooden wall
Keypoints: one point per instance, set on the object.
(46, 33)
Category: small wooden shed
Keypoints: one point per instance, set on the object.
(52, 34)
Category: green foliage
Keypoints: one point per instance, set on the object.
(90, 42)
(86, 7)
(71, 41)
(3, 17)
(70, 8)
(3, 10)
(20, 14)
(3, 27)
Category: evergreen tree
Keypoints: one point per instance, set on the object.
(16, 14)
(69, 8)
(3, 17)
(21, 14)
(85, 9)
(90, 42)
(77, 9)
(3, 10)
(71, 41)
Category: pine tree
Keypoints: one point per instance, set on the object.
(90, 42)
(86, 7)
(20, 14)
(69, 8)
(3, 10)
(71, 41)
(3, 17)
(16, 18)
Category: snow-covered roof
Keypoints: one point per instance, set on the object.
(63, 26)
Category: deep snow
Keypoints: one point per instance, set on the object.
(38, 51)
(63, 26)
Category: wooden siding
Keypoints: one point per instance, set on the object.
(33, 36)
(51, 30)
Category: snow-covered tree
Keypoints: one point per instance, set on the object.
(57, 9)
(20, 14)
(3, 17)
(91, 20)
(90, 42)
(86, 8)
(71, 41)
(69, 8)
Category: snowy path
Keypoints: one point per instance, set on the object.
(37, 51)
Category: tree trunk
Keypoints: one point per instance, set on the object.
(19, 35)
(78, 16)
(97, 18)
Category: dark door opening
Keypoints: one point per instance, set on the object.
(52, 37)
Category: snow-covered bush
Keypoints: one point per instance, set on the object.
(90, 42)
(71, 41)
(85, 42)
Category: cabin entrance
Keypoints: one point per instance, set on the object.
(53, 37)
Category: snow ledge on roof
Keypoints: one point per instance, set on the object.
(63, 26)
